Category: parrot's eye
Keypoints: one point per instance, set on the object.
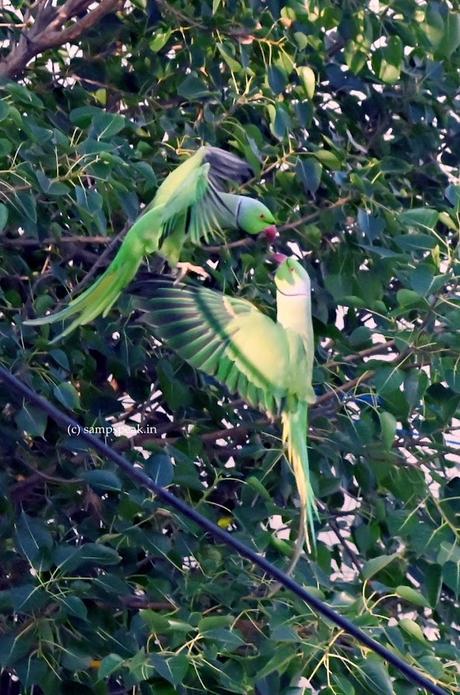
(262, 216)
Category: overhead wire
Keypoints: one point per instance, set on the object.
(138, 475)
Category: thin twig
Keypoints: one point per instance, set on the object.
(313, 215)
(374, 350)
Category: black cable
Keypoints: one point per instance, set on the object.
(139, 476)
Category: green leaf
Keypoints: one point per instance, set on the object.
(412, 628)
(388, 426)
(407, 297)
(60, 357)
(419, 217)
(280, 121)
(105, 125)
(433, 583)
(226, 637)
(159, 467)
(160, 40)
(193, 88)
(377, 564)
(214, 622)
(308, 80)
(88, 199)
(69, 558)
(411, 595)
(452, 194)
(451, 37)
(415, 242)
(175, 391)
(3, 216)
(6, 147)
(14, 647)
(4, 109)
(110, 664)
(259, 487)
(27, 203)
(173, 669)
(67, 394)
(372, 226)
(451, 577)
(434, 25)
(32, 420)
(276, 79)
(309, 170)
(49, 186)
(73, 605)
(376, 677)
(83, 115)
(387, 62)
(233, 64)
(278, 662)
(102, 480)
(155, 621)
(394, 165)
(421, 279)
(32, 536)
(329, 159)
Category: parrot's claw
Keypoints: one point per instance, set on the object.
(185, 268)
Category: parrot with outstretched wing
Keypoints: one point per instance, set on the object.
(269, 364)
(189, 204)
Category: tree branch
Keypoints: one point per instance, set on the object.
(22, 242)
(313, 215)
(49, 30)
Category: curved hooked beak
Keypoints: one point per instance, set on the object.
(270, 233)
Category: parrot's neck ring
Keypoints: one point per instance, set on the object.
(293, 294)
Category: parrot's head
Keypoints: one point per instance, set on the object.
(253, 217)
(291, 278)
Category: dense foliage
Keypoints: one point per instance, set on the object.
(347, 112)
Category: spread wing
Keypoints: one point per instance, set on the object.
(191, 196)
(226, 167)
(225, 337)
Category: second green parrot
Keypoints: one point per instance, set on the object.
(269, 364)
(189, 204)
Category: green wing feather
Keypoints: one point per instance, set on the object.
(225, 337)
(189, 202)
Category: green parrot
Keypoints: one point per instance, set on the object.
(189, 204)
(269, 364)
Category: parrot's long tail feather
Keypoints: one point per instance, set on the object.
(295, 429)
(99, 298)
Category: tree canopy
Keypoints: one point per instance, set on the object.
(347, 113)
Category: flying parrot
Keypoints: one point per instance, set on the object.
(189, 204)
(269, 364)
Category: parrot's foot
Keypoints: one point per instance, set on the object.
(185, 268)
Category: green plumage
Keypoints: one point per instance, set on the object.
(189, 204)
(269, 364)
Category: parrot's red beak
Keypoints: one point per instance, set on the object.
(270, 233)
(278, 258)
